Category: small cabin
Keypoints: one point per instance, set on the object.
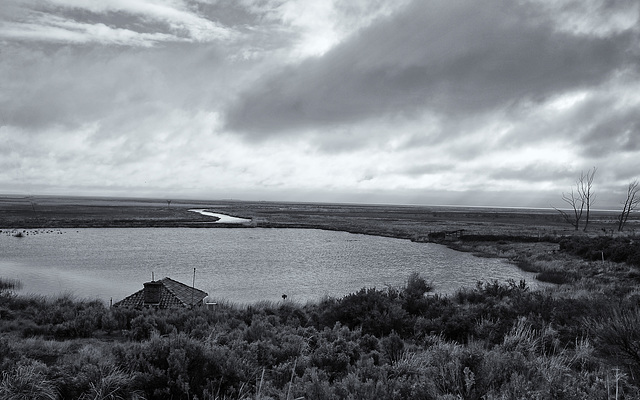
(165, 293)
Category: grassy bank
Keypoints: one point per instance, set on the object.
(491, 341)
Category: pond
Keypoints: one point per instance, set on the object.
(235, 265)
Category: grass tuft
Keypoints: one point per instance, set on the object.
(557, 277)
(10, 284)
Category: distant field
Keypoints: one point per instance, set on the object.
(414, 222)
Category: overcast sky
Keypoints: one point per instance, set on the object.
(493, 102)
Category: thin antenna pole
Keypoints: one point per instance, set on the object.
(193, 286)
(152, 278)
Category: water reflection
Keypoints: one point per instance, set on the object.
(245, 265)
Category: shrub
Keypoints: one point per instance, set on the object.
(377, 312)
(109, 322)
(557, 277)
(618, 336)
(393, 347)
(113, 384)
(27, 382)
(493, 341)
(621, 249)
(334, 354)
(142, 326)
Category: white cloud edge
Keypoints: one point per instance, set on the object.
(47, 26)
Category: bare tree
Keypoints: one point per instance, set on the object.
(585, 190)
(580, 200)
(577, 206)
(630, 204)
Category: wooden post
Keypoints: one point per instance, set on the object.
(193, 286)
(293, 372)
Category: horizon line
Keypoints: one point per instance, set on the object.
(184, 199)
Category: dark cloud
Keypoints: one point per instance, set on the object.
(428, 169)
(119, 19)
(229, 13)
(534, 172)
(452, 57)
(620, 173)
(617, 133)
(49, 85)
(68, 86)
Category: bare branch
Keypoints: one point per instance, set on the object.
(585, 187)
(567, 218)
(630, 204)
(577, 204)
(580, 200)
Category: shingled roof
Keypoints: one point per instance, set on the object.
(165, 293)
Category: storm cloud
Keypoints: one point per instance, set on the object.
(498, 102)
(449, 57)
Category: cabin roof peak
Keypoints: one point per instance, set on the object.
(164, 293)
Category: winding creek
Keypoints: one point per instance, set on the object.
(222, 218)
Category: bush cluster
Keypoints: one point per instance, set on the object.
(488, 342)
(63, 317)
(509, 238)
(616, 249)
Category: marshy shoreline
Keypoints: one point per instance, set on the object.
(521, 236)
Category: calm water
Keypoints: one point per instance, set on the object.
(239, 265)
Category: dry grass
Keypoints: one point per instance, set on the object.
(9, 284)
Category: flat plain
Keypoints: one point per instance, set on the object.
(412, 222)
